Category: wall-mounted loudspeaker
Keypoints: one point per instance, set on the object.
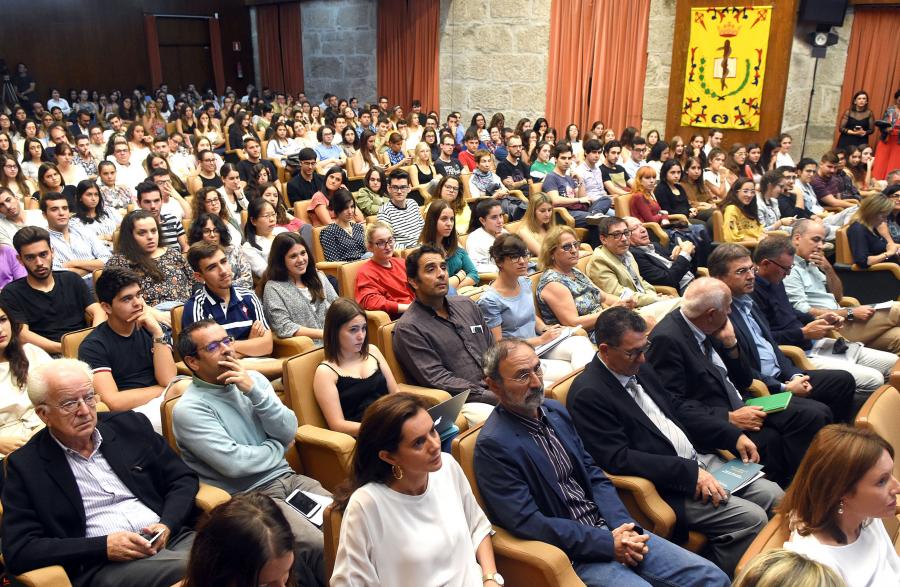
(823, 12)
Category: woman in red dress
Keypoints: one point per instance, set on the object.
(887, 155)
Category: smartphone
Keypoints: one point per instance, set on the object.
(150, 537)
(303, 503)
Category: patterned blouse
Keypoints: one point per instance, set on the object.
(104, 225)
(118, 197)
(340, 246)
(175, 286)
(586, 295)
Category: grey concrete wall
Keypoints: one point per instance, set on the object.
(659, 65)
(494, 57)
(829, 77)
(339, 57)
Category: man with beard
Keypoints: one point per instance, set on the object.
(129, 354)
(47, 303)
(539, 483)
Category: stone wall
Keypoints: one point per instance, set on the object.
(829, 76)
(339, 54)
(659, 65)
(494, 57)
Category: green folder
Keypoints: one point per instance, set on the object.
(777, 402)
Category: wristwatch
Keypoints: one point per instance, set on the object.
(849, 314)
(160, 339)
(495, 577)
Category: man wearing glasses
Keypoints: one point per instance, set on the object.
(696, 354)
(88, 491)
(329, 154)
(233, 431)
(401, 213)
(627, 421)
(305, 184)
(538, 481)
(511, 170)
(614, 269)
(638, 156)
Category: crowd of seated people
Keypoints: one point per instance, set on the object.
(181, 229)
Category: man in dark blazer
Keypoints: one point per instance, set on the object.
(626, 421)
(539, 483)
(733, 266)
(706, 379)
(82, 491)
(674, 267)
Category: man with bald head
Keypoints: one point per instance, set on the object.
(675, 266)
(87, 492)
(696, 354)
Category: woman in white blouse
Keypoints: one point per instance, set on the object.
(843, 487)
(259, 233)
(18, 420)
(409, 516)
(91, 214)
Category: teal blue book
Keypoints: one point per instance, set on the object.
(736, 474)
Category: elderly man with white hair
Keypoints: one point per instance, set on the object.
(103, 496)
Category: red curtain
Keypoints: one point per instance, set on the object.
(408, 51)
(153, 50)
(280, 48)
(873, 62)
(597, 63)
(215, 50)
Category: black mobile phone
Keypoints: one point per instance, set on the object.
(303, 503)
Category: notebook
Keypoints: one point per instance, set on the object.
(777, 402)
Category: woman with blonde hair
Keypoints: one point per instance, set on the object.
(843, 487)
(867, 245)
(783, 568)
(425, 173)
(450, 189)
(539, 219)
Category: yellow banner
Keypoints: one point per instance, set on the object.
(725, 67)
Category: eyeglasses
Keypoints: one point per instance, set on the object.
(747, 191)
(569, 247)
(120, 151)
(635, 353)
(780, 266)
(399, 188)
(619, 234)
(451, 190)
(516, 257)
(71, 406)
(386, 243)
(207, 160)
(307, 163)
(217, 344)
(745, 270)
(525, 375)
(269, 215)
(210, 231)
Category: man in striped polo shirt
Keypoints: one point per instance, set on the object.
(401, 213)
(171, 230)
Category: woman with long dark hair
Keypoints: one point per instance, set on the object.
(91, 214)
(210, 228)
(344, 239)
(408, 509)
(18, 421)
(259, 234)
(440, 230)
(354, 373)
(741, 214)
(295, 295)
(245, 542)
(210, 200)
(857, 122)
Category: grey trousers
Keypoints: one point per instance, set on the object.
(309, 542)
(731, 527)
(163, 569)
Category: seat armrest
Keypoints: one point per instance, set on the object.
(565, 216)
(53, 576)
(849, 302)
(666, 290)
(758, 388)
(518, 194)
(325, 455)
(892, 267)
(209, 496)
(649, 501)
(797, 356)
(338, 442)
(529, 562)
(288, 347)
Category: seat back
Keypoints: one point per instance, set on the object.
(386, 334)
(167, 407)
(463, 450)
(298, 383)
(317, 250)
(177, 314)
(880, 414)
(772, 536)
(583, 263)
(622, 205)
(560, 390)
(842, 253)
(70, 342)
(331, 530)
(535, 280)
(375, 319)
(347, 278)
(718, 226)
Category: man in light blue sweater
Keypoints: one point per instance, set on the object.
(233, 431)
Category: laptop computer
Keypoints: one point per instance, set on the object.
(444, 414)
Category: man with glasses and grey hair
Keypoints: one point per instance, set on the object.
(234, 431)
(102, 495)
(538, 482)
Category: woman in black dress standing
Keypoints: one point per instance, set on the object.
(857, 123)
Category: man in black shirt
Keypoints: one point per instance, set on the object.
(305, 184)
(512, 172)
(615, 178)
(47, 303)
(129, 353)
(254, 155)
(446, 164)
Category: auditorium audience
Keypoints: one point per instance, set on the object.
(440, 232)
(440, 339)
(82, 491)
(843, 486)
(828, 184)
(210, 200)
(740, 214)
(171, 230)
(539, 220)
(295, 295)
(233, 431)
(73, 249)
(248, 541)
(538, 482)
(91, 216)
(210, 228)
(673, 266)
(696, 353)
(611, 404)
(345, 238)
(401, 212)
(408, 508)
(381, 282)
(487, 226)
(508, 309)
(867, 245)
(130, 354)
(259, 233)
(47, 303)
(567, 189)
(450, 189)
(354, 373)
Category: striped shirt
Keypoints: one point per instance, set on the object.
(581, 509)
(109, 506)
(170, 228)
(406, 223)
(81, 246)
(237, 317)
